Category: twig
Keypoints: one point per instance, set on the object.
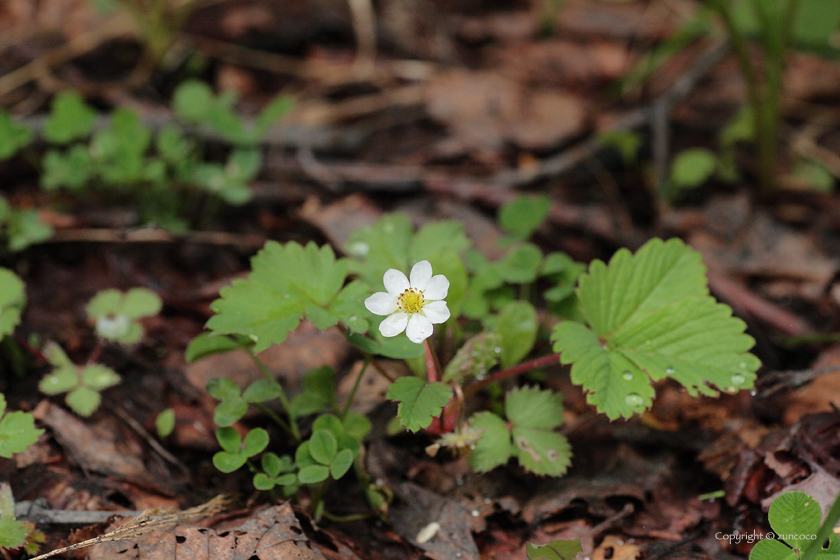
(149, 235)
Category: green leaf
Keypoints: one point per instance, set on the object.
(357, 425)
(521, 264)
(795, 514)
(229, 411)
(398, 347)
(529, 407)
(98, 377)
(223, 389)
(229, 439)
(12, 299)
(59, 381)
(313, 474)
(691, 168)
(323, 446)
(255, 442)
(72, 169)
(263, 482)
(17, 431)
(172, 146)
(228, 462)
(650, 318)
(285, 281)
(494, 447)
(379, 247)
(555, 550)
(140, 302)
(192, 101)
(436, 237)
(318, 393)
(262, 390)
(70, 119)
(13, 136)
(420, 401)
(771, 549)
(302, 456)
(13, 533)
(105, 302)
(517, 325)
(271, 113)
(243, 164)
(475, 358)
(207, 344)
(524, 214)
(542, 452)
(341, 463)
(274, 465)
(83, 401)
(25, 228)
(165, 422)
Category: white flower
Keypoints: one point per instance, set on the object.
(412, 306)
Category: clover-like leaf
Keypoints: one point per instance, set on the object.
(524, 214)
(13, 136)
(313, 474)
(323, 446)
(341, 463)
(17, 430)
(70, 119)
(71, 169)
(12, 299)
(286, 282)
(650, 317)
(262, 390)
(116, 313)
(60, 380)
(165, 422)
(795, 517)
(419, 400)
(229, 411)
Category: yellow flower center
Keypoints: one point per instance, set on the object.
(410, 301)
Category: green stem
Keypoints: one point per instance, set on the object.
(292, 425)
(510, 372)
(277, 420)
(825, 531)
(355, 388)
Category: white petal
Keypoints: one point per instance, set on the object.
(419, 328)
(395, 282)
(437, 289)
(381, 303)
(436, 312)
(421, 273)
(393, 325)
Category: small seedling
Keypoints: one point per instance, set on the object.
(83, 385)
(117, 313)
(17, 430)
(14, 533)
(12, 299)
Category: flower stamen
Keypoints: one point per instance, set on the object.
(410, 301)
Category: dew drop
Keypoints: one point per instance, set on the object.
(753, 393)
(254, 337)
(628, 376)
(474, 513)
(352, 318)
(497, 350)
(743, 364)
(669, 370)
(634, 400)
(737, 380)
(286, 296)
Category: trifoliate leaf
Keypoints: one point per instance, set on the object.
(521, 264)
(650, 317)
(420, 401)
(493, 449)
(255, 442)
(17, 430)
(313, 474)
(323, 446)
(285, 281)
(517, 325)
(59, 381)
(71, 118)
(795, 518)
(262, 390)
(13, 136)
(341, 463)
(12, 298)
(524, 214)
(555, 550)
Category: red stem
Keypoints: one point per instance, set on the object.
(511, 371)
(432, 368)
(31, 349)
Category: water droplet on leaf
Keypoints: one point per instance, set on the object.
(634, 400)
(737, 380)
(628, 376)
(669, 370)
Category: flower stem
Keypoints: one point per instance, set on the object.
(355, 388)
(510, 372)
(433, 371)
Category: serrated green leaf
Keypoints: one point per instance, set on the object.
(140, 302)
(99, 377)
(541, 451)
(529, 407)
(262, 390)
(420, 401)
(83, 401)
(12, 298)
(229, 439)
(555, 550)
(13, 136)
(524, 214)
(651, 318)
(323, 446)
(59, 381)
(313, 474)
(228, 462)
(521, 264)
(230, 411)
(223, 388)
(795, 514)
(349, 306)
(341, 463)
(13, 533)
(165, 422)
(255, 442)
(475, 358)
(17, 431)
(380, 246)
(517, 325)
(71, 169)
(207, 344)
(493, 449)
(70, 118)
(25, 228)
(435, 237)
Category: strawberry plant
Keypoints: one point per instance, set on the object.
(621, 326)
